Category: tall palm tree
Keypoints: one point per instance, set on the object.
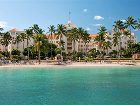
(107, 46)
(85, 37)
(80, 36)
(117, 35)
(17, 40)
(38, 38)
(100, 39)
(116, 41)
(29, 34)
(6, 39)
(130, 24)
(138, 25)
(61, 31)
(74, 37)
(119, 26)
(38, 43)
(23, 37)
(51, 31)
(127, 34)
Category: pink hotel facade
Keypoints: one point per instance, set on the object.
(68, 46)
(80, 45)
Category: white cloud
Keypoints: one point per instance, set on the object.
(123, 21)
(88, 29)
(85, 10)
(97, 25)
(3, 24)
(98, 18)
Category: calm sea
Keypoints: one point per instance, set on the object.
(70, 86)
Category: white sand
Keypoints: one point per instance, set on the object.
(75, 64)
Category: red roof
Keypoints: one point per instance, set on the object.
(13, 30)
(93, 35)
(53, 36)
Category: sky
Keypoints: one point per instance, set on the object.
(89, 14)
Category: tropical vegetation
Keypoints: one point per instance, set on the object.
(35, 43)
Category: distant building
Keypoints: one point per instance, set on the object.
(82, 47)
(14, 32)
(68, 43)
(123, 41)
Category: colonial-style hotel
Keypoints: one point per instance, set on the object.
(80, 45)
(68, 45)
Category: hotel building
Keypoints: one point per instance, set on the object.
(14, 32)
(68, 43)
(80, 46)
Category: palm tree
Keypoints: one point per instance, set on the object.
(106, 46)
(38, 43)
(101, 37)
(117, 35)
(80, 34)
(130, 24)
(6, 39)
(38, 38)
(61, 31)
(23, 37)
(29, 34)
(119, 26)
(127, 34)
(51, 31)
(17, 40)
(85, 38)
(74, 37)
(138, 25)
(116, 40)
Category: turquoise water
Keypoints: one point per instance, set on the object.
(70, 86)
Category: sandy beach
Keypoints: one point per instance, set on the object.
(74, 64)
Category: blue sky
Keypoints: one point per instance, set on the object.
(88, 14)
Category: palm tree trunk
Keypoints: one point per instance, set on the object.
(17, 45)
(23, 50)
(118, 53)
(107, 51)
(23, 45)
(73, 49)
(131, 43)
(5, 48)
(73, 45)
(80, 45)
(39, 53)
(100, 54)
(61, 46)
(28, 48)
(51, 46)
(85, 47)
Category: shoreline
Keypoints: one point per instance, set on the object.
(74, 64)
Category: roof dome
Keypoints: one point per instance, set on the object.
(70, 25)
